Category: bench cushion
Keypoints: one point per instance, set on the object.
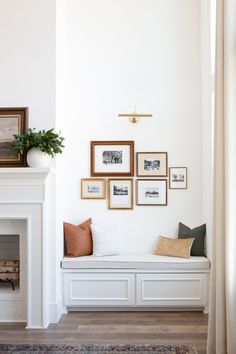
(136, 261)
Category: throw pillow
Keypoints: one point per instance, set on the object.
(174, 247)
(106, 240)
(78, 239)
(199, 233)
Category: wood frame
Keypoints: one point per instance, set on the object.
(156, 180)
(138, 154)
(109, 193)
(102, 180)
(95, 173)
(186, 180)
(22, 114)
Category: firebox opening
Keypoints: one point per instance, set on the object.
(9, 262)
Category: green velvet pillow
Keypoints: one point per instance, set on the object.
(199, 233)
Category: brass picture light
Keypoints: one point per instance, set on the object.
(134, 117)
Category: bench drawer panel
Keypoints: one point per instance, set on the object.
(99, 289)
(172, 289)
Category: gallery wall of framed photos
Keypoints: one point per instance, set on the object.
(116, 159)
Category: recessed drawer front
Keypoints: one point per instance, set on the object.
(99, 289)
(172, 289)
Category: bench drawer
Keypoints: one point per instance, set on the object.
(86, 289)
(172, 289)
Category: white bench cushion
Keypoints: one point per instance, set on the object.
(136, 261)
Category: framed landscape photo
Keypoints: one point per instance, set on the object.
(112, 158)
(152, 164)
(151, 192)
(178, 177)
(12, 121)
(120, 193)
(93, 188)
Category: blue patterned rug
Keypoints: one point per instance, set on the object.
(96, 348)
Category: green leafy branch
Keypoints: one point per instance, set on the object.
(47, 141)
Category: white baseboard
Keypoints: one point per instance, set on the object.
(55, 311)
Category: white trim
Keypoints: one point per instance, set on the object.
(55, 311)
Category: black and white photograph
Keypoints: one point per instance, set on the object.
(120, 189)
(151, 192)
(93, 188)
(178, 177)
(12, 121)
(151, 164)
(120, 193)
(112, 158)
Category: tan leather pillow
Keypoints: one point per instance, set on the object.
(78, 239)
(174, 247)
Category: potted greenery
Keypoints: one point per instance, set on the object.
(40, 146)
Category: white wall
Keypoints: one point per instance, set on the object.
(121, 54)
(27, 60)
(112, 56)
(28, 73)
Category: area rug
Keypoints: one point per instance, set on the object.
(97, 348)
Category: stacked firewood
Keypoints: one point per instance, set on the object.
(9, 271)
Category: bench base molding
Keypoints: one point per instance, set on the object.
(136, 309)
(135, 290)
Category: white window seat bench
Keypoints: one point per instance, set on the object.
(135, 281)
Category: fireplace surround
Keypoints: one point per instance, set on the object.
(25, 198)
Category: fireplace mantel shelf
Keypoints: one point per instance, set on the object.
(24, 172)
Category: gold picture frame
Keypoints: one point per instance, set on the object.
(120, 193)
(93, 188)
(152, 164)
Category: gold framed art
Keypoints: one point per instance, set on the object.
(152, 164)
(120, 193)
(93, 188)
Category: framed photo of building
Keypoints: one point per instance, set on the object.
(93, 188)
(120, 193)
(112, 158)
(151, 192)
(12, 121)
(178, 177)
(152, 164)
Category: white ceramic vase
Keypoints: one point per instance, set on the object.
(38, 158)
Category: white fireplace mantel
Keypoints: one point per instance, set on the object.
(23, 173)
(25, 194)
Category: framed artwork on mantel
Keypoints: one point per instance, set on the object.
(152, 164)
(178, 177)
(120, 193)
(12, 121)
(112, 158)
(151, 192)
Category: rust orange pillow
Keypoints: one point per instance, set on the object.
(78, 239)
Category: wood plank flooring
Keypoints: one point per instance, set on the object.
(116, 327)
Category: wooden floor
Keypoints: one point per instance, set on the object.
(116, 327)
